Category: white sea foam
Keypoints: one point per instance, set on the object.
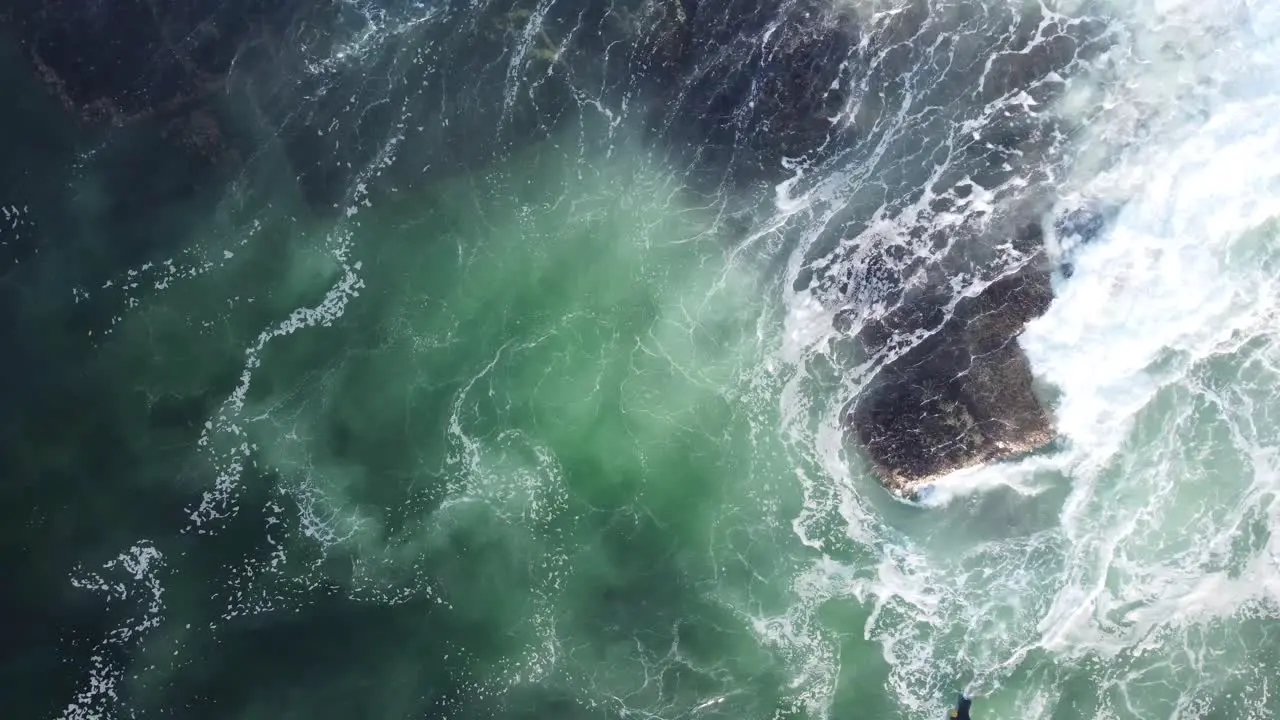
(1172, 285)
(1164, 335)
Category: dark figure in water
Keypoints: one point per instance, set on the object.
(961, 711)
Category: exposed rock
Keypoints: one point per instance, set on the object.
(734, 88)
(962, 396)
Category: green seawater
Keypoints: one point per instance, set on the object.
(554, 438)
(497, 447)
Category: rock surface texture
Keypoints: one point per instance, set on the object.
(961, 397)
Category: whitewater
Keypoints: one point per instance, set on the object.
(1151, 589)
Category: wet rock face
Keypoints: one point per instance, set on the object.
(936, 286)
(962, 396)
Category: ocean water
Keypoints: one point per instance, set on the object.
(488, 384)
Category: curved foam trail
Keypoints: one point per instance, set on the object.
(1165, 335)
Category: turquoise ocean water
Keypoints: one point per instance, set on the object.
(544, 424)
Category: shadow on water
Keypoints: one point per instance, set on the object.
(78, 480)
(333, 658)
